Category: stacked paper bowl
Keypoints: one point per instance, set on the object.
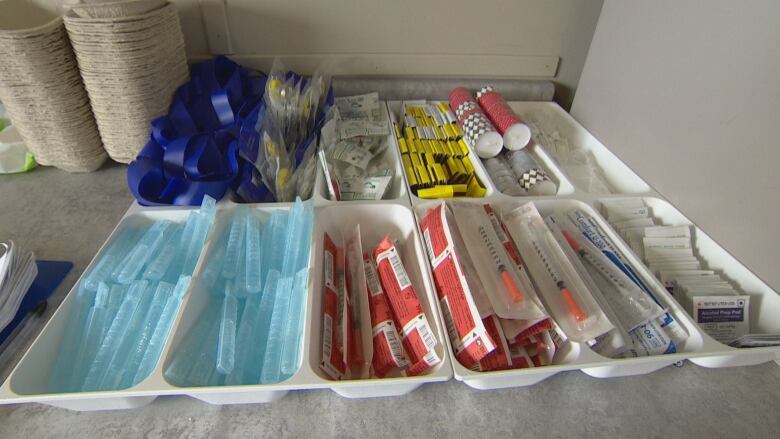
(131, 56)
(42, 90)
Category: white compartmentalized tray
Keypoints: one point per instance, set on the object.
(624, 182)
(764, 302)
(396, 215)
(28, 381)
(574, 356)
(398, 190)
(619, 177)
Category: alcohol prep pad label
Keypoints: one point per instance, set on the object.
(724, 318)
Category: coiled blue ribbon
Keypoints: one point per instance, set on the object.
(193, 151)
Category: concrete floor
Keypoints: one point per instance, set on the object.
(68, 216)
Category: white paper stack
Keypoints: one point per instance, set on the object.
(17, 272)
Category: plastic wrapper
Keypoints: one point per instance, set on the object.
(468, 335)
(510, 296)
(562, 290)
(418, 338)
(355, 160)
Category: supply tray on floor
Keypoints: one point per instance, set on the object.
(399, 214)
(699, 348)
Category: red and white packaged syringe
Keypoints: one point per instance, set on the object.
(468, 335)
(332, 355)
(417, 336)
(388, 352)
(500, 358)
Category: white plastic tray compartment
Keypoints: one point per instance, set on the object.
(199, 298)
(375, 221)
(620, 178)
(764, 301)
(397, 192)
(29, 380)
(395, 108)
(572, 356)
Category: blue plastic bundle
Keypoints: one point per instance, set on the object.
(210, 140)
(251, 330)
(125, 306)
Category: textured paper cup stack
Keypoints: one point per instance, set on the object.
(44, 96)
(131, 66)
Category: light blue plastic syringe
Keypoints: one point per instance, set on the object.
(291, 351)
(273, 255)
(115, 253)
(239, 283)
(292, 240)
(114, 335)
(186, 354)
(226, 346)
(137, 351)
(205, 361)
(256, 354)
(293, 328)
(91, 336)
(116, 295)
(254, 256)
(161, 330)
(122, 353)
(245, 339)
(235, 244)
(59, 380)
(273, 352)
(158, 266)
(127, 250)
(204, 219)
(143, 251)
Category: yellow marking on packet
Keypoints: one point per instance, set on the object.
(444, 191)
(468, 167)
(423, 177)
(441, 176)
(463, 148)
(475, 188)
(460, 190)
(402, 146)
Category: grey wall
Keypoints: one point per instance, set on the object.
(686, 92)
(499, 38)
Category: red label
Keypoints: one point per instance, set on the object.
(499, 359)
(536, 328)
(469, 338)
(417, 337)
(388, 351)
(332, 355)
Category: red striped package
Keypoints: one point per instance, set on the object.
(500, 358)
(332, 355)
(476, 126)
(388, 349)
(515, 132)
(468, 335)
(417, 336)
(520, 358)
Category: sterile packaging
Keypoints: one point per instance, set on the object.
(562, 290)
(332, 354)
(388, 352)
(468, 336)
(418, 339)
(510, 296)
(360, 316)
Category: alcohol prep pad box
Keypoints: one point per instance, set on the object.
(724, 318)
